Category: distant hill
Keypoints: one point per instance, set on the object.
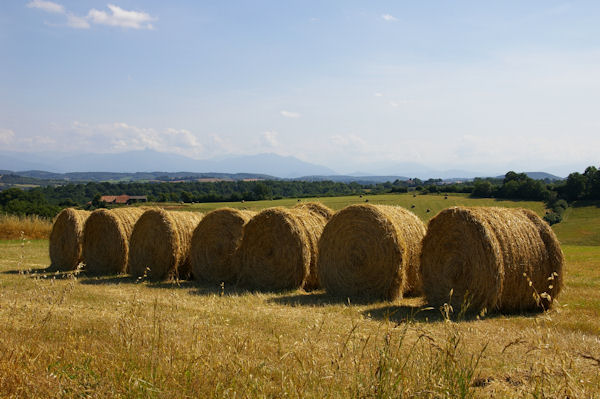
(148, 161)
(357, 179)
(42, 177)
(539, 176)
(543, 176)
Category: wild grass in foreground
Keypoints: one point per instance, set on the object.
(68, 335)
(12, 227)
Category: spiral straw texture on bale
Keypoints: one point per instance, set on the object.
(316, 207)
(371, 251)
(66, 239)
(160, 244)
(214, 244)
(279, 249)
(491, 258)
(106, 239)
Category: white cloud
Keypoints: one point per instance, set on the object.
(378, 94)
(290, 114)
(47, 6)
(6, 136)
(120, 136)
(76, 22)
(389, 17)
(115, 17)
(120, 17)
(269, 139)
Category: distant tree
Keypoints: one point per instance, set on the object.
(262, 191)
(514, 176)
(67, 202)
(593, 182)
(97, 201)
(575, 187)
(186, 197)
(482, 189)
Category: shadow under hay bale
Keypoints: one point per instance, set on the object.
(160, 244)
(214, 244)
(106, 239)
(371, 251)
(501, 259)
(279, 249)
(66, 239)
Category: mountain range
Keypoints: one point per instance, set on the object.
(265, 165)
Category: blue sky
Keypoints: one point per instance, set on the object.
(353, 85)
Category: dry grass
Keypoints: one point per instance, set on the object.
(71, 335)
(67, 335)
(32, 227)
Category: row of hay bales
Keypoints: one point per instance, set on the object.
(489, 258)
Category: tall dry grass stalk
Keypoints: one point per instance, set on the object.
(33, 227)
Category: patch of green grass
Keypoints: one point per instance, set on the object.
(580, 225)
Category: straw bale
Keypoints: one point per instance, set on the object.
(501, 259)
(66, 239)
(317, 207)
(371, 251)
(106, 239)
(160, 244)
(279, 249)
(214, 244)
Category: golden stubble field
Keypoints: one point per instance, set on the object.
(71, 335)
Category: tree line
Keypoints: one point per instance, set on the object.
(49, 200)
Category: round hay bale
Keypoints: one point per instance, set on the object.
(491, 258)
(279, 249)
(316, 207)
(214, 244)
(371, 251)
(106, 239)
(66, 239)
(160, 244)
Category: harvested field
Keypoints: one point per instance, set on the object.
(114, 336)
